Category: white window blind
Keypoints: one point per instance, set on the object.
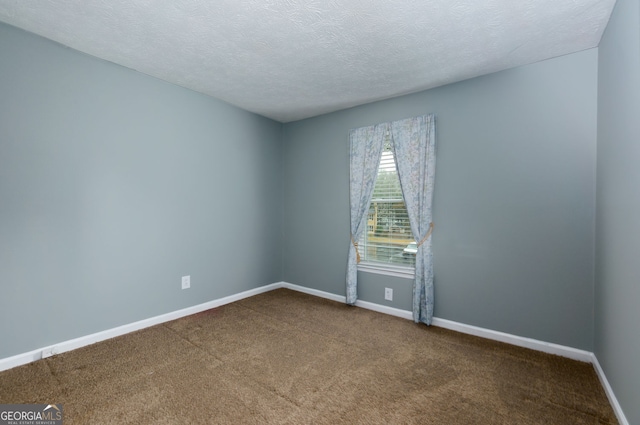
(388, 239)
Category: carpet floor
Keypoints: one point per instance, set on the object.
(284, 357)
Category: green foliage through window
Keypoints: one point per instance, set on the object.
(388, 238)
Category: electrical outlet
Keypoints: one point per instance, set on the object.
(186, 282)
(388, 294)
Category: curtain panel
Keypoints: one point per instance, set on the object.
(413, 144)
(366, 149)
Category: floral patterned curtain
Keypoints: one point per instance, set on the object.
(414, 151)
(366, 149)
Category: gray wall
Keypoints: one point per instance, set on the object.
(617, 334)
(514, 199)
(113, 185)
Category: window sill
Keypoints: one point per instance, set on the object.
(388, 270)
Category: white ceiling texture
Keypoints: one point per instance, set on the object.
(293, 59)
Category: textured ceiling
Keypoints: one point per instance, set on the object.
(292, 59)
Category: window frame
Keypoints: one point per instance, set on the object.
(382, 268)
(387, 269)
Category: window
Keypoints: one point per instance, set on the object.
(388, 243)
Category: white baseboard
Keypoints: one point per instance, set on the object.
(609, 391)
(546, 347)
(340, 298)
(31, 356)
(534, 344)
(315, 292)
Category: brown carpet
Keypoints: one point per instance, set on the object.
(288, 358)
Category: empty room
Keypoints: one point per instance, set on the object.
(327, 212)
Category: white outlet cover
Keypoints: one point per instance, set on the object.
(388, 294)
(186, 282)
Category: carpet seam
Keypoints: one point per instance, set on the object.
(294, 323)
(202, 349)
(227, 365)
